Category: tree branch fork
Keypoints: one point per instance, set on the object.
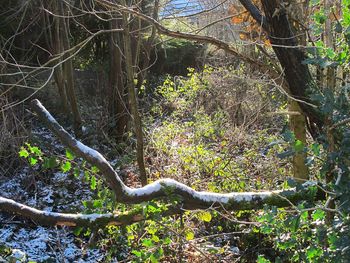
(160, 189)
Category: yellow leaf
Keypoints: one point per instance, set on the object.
(205, 216)
(189, 235)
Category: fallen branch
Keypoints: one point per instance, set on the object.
(164, 188)
(65, 219)
(191, 198)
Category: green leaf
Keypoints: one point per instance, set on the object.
(167, 241)
(153, 259)
(291, 182)
(262, 259)
(32, 161)
(87, 175)
(93, 183)
(152, 229)
(76, 172)
(313, 253)
(65, 167)
(147, 243)
(137, 253)
(36, 151)
(318, 214)
(77, 230)
(320, 17)
(94, 170)
(295, 223)
(50, 162)
(97, 203)
(204, 216)
(155, 238)
(23, 152)
(69, 154)
(288, 136)
(298, 146)
(315, 147)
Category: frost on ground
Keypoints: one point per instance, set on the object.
(23, 241)
(43, 244)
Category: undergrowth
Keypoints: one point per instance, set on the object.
(205, 148)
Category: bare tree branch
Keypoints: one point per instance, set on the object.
(273, 73)
(254, 12)
(163, 188)
(65, 219)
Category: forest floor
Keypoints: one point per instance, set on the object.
(50, 192)
(190, 138)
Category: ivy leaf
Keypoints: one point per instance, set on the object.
(291, 182)
(65, 167)
(313, 253)
(288, 136)
(153, 259)
(295, 223)
(137, 253)
(50, 162)
(77, 231)
(69, 154)
(320, 17)
(87, 176)
(76, 172)
(147, 243)
(318, 214)
(97, 203)
(315, 147)
(35, 150)
(94, 170)
(23, 152)
(93, 183)
(33, 161)
(167, 241)
(262, 259)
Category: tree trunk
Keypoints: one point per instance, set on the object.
(291, 58)
(54, 41)
(298, 126)
(147, 47)
(68, 76)
(133, 100)
(297, 122)
(117, 102)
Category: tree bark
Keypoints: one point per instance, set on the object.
(329, 43)
(298, 126)
(117, 102)
(129, 67)
(298, 121)
(54, 41)
(68, 75)
(291, 58)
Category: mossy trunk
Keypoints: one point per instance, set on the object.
(297, 124)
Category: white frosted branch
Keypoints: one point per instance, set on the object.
(67, 219)
(162, 188)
